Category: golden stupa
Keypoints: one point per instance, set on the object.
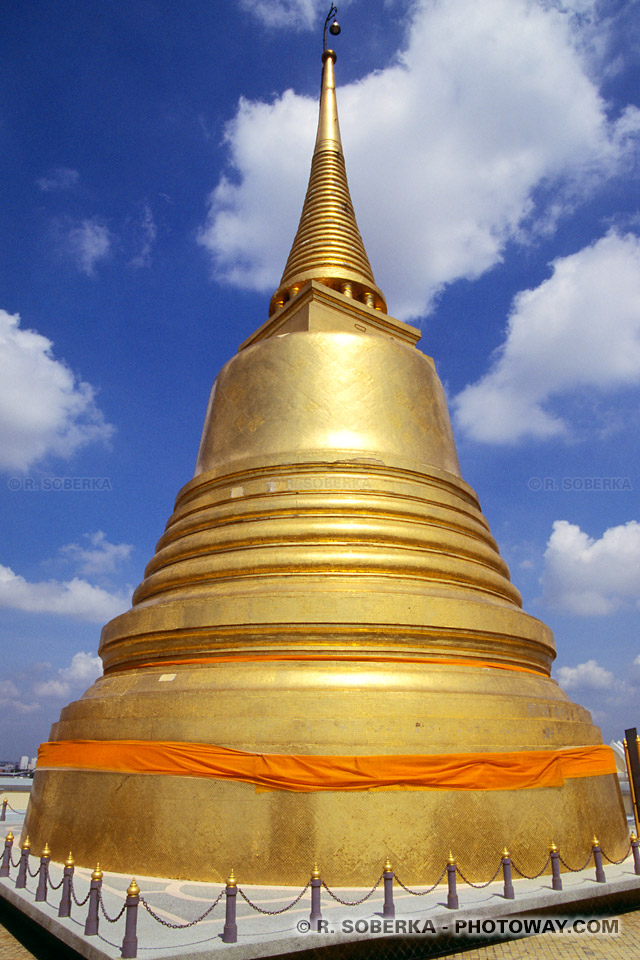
(326, 660)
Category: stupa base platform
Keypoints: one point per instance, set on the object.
(197, 827)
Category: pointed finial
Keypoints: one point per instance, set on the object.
(232, 882)
(97, 873)
(315, 873)
(69, 862)
(505, 853)
(27, 844)
(451, 858)
(552, 847)
(46, 852)
(328, 247)
(595, 842)
(10, 836)
(133, 889)
(633, 837)
(387, 865)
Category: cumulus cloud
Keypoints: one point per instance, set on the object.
(62, 178)
(8, 690)
(299, 14)
(592, 577)
(487, 104)
(44, 409)
(99, 556)
(72, 598)
(82, 671)
(146, 233)
(586, 676)
(580, 328)
(86, 242)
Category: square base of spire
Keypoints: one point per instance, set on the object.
(320, 308)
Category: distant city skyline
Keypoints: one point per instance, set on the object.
(156, 160)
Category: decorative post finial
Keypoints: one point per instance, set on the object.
(334, 29)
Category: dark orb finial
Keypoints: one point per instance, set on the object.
(334, 29)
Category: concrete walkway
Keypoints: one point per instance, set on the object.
(423, 926)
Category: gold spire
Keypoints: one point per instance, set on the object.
(328, 246)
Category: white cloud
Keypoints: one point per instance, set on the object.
(99, 557)
(73, 598)
(62, 178)
(580, 328)
(586, 676)
(445, 150)
(83, 670)
(592, 577)
(87, 242)
(44, 408)
(147, 232)
(8, 690)
(299, 14)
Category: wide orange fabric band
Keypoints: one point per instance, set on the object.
(455, 771)
(350, 658)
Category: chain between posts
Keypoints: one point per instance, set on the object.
(420, 893)
(353, 903)
(274, 913)
(54, 886)
(179, 926)
(17, 863)
(540, 872)
(30, 872)
(480, 886)
(104, 912)
(78, 903)
(574, 869)
(609, 860)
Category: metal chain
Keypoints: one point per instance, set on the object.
(353, 903)
(609, 860)
(575, 869)
(79, 903)
(181, 926)
(31, 874)
(420, 893)
(17, 863)
(535, 875)
(15, 811)
(479, 886)
(274, 913)
(54, 886)
(106, 915)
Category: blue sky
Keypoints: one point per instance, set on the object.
(154, 158)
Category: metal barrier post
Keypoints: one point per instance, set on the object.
(452, 895)
(43, 880)
(130, 942)
(508, 893)
(230, 932)
(636, 854)
(316, 914)
(597, 856)
(388, 910)
(6, 855)
(92, 921)
(556, 880)
(3, 815)
(21, 882)
(64, 910)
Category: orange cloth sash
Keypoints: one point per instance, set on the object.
(455, 771)
(260, 658)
